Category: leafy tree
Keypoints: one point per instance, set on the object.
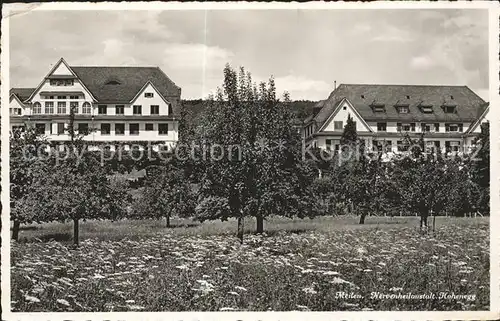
(252, 162)
(27, 171)
(481, 167)
(167, 191)
(423, 184)
(349, 135)
(81, 184)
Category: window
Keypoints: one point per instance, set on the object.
(427, 109)
(50, 128)
(338, 125)
(426, 127)
(40, 128)
(403, 109)
(86, 108)
(381, 127)
(406, 127)
(37, 108)
(61, 107)
(15, 111)
(61, 82)
(412, 127)
(83, 128)
(119, 109)
(332, 144)
(451, 127)
(449, 109)
(163, 129)
(149, 127)
(436, 127)
(137, 110)
(73, 105)
(74, 97)
(119, 129)
(102, 109)
(49, 107)
(344, 108)
(378, 109)
(148, 95)
(134, 129)
(61, 97)
(105, 129)
(49, 97)
(60, 128)
(155, 109)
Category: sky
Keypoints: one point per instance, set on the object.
(306, 51)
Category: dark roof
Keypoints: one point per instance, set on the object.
(468, 104)
(22, 93)
(130, 79)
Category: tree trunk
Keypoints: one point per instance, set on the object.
(433, 222)
(75, 232)
(423, 220)
(15, 230)
(240, 229)
(168, 220)
(260, 224)
(362, 218)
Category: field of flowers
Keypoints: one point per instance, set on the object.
(329, 269)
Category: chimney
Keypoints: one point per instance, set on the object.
(334, 84)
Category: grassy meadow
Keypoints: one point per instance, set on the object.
(323, 264)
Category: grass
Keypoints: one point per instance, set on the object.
(297, 265)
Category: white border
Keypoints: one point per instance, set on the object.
(494, 14)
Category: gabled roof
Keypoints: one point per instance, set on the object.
(21, 93)
(128, 82)
(362, 97)
(482, 113)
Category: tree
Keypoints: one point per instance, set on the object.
(81, 184)
(424, 183)
(167, 191)
(349, 135)
(481, 167)
(251, 155)
(27, 170)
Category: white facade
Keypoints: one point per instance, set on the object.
(147, 117)
(447, 136)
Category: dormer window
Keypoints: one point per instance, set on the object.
(427, 109)
(148, 95)
(378, 107)
(449, 109)
(403, 109)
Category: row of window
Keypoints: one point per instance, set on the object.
(63, 97)
(62, 82)
(405, 109)
(61, 107)
(105, 128)
(87, 109)
(425, 127)
(136, 109)
(450, 146)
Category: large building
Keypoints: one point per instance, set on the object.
(449, 116)
(118, 103)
